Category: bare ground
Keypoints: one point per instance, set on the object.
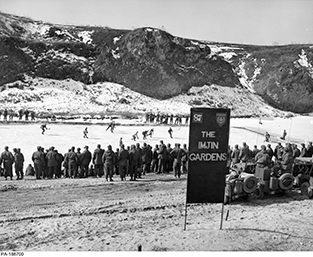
(95, 215)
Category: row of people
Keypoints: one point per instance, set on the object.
(134, 161)
(167, 119)
(280, 159)
(244, 153)
(10, 114)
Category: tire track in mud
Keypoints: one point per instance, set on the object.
(99, 210)
(14, 208)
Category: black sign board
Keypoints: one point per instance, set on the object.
(208, 152)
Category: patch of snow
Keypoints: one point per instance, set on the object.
(198, 44)
(228, 55)
(68, 57)
(117, 39)
(303, 61)
(230, 48)
(69, 96)
(28, 51)
(86, 36)
(115, 53)
(243, 78)
(214, 49)
(40, 29)
(257, 72)
(176, 41)
(69, 35)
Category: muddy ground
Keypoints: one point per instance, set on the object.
(94, 215)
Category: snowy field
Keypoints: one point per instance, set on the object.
(95, 215)
(63, 136)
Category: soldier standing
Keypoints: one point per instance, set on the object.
(235, 155)
(20, 114)
(244, 152)
(262, 158)
(134, 159)
(177, 153)
(154, 162)
(65, 164)
(146, 158)
(59, 157)
(97, 161)
(109, 160)
(7, 159)
(26, 114)
(78, 170)
(52, 163)
(39, 160)
(169, 159)
(18, 163)
(161, 157)
(72, 161)
(32, 115)
(122, 160)
(5, 114)
(138, 157)
(85, 161)
(185, 159)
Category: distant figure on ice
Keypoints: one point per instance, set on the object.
(260, 122)
(284, 135)
(135, 136)
(151, 132)
(267, 137)
(170, 131)
(121, 142)
(111, 126)
(85, 133)
(44, 128)
(144, 134)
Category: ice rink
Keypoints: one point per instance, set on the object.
(63, 136)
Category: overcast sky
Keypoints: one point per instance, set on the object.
(261, 22)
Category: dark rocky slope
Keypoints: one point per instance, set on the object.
(153, 62)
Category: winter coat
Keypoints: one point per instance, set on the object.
(38, 157)
(97, 156)
(109, 158)
(122, 157)
(52, 159)
(85, 157)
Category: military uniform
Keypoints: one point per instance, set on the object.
(72, 160)
(18, 164)
(52, 163)
(39, 160)
(109, 160)
(7, 159)
(122, 160)
(97, 161)
(177, 153)
(85, 161)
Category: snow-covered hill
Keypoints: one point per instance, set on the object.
(70, 97)
(40, 64)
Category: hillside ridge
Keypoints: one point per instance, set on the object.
(153, 62)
